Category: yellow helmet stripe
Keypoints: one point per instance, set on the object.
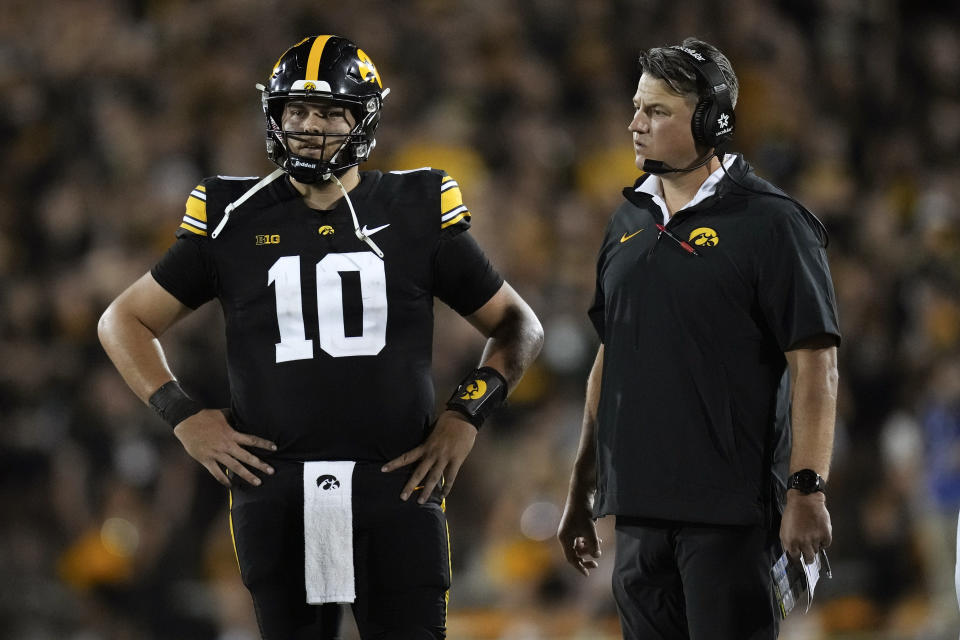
(313, 62)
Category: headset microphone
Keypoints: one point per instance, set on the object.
(657, 167)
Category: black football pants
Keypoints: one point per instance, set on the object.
(401, 558)
(680, 581)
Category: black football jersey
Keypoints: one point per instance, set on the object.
(328, 345)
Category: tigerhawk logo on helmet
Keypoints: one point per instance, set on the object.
(323, 68)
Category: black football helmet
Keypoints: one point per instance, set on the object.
(323, 68)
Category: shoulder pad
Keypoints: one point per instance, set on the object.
(206, 202)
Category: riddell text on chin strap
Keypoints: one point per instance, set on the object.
(657, 167)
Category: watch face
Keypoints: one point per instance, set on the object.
(806, 481)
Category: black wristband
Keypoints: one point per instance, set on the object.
(172, 403)
(480, 394)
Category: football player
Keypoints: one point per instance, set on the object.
(327, 277)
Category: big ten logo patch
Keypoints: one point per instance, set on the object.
(268, 239)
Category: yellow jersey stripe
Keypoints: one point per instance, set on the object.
(450, 200)
(192, 229)
(313, 62)
(452, 209)
(233, 538)
(453, 213)
(201, 187)
(193, 222)
(197, 208)
(465, 214)
(446, 525)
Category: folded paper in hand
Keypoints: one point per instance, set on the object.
(794, 581)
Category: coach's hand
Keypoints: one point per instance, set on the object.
(441, 456)
(805, 527)
(578, 534)
(212, 442)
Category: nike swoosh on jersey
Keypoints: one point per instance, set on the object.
(370, 232)
(626, 237)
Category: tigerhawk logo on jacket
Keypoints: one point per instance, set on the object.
(704, 237)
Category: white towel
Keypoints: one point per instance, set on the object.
(328, 531)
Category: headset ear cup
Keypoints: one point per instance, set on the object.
(700, 122)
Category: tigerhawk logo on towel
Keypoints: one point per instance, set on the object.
(328, 482)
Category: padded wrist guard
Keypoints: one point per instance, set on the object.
(479, 395)
(172, 403)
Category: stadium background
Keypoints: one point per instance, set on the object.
(112, 110)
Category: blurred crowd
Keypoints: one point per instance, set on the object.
(112, 111)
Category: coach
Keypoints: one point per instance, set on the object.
(717, 318)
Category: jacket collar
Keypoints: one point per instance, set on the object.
(648, 188)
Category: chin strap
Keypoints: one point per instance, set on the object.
(356, 224)
(246, 196)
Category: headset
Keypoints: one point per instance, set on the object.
(713, 117)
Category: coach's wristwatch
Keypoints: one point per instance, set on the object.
(806, 481)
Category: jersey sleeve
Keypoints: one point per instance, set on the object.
(795, 289)
(454, 215)
(195, 217)
(185, 270)
(463, 276)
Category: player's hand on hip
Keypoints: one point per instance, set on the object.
(441, 455)
(805, 527)
(578, 535)
(212, 442)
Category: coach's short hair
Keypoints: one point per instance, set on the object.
(680, 73)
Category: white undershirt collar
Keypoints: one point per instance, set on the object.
(653, 186)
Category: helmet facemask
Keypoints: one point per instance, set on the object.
(352, 148)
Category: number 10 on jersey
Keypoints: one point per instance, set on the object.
(339, 275)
